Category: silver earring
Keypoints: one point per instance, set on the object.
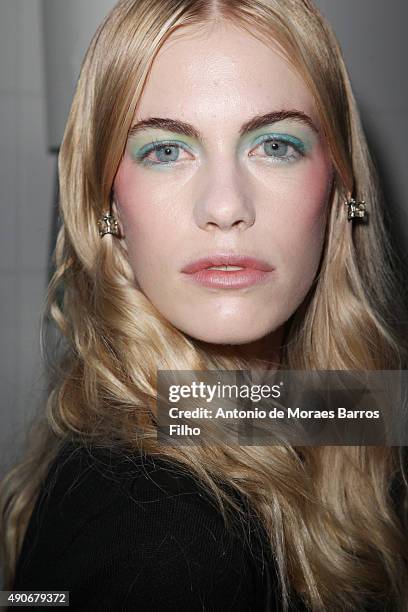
(356, 210)
(108, 224)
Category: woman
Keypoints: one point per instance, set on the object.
(222, 133)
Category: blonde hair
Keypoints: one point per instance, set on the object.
(336, 534)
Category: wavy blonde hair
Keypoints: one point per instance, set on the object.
(336, 532)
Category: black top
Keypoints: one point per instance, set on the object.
(139, 534)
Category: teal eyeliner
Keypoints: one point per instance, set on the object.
(299, 145)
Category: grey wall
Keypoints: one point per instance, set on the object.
(29, 127)
(373, 37)
(372, 34)
(26, 192)
(68, 29)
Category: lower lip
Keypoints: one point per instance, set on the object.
(235, 279)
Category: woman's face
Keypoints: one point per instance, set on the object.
(223, 186)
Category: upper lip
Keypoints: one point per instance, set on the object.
(222, 259)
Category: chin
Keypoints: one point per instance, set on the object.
(234, 335)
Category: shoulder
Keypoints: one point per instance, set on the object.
(116, 528)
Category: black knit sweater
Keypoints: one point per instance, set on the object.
(137, 533)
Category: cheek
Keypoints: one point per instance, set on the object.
(300, 224)
(144, 211)
(148, 215)
(306, 196)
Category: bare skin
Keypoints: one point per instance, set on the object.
(227, 192)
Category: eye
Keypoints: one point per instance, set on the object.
(161, 153)
(280, 149)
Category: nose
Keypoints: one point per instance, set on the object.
(224, 202)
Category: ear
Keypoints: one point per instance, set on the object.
(116, 212)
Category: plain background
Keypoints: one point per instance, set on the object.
(373, 36)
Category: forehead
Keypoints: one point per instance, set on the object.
(221, 71)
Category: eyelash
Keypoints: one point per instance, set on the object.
(159, 145)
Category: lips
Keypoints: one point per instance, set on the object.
(242, 261)
(253, 271)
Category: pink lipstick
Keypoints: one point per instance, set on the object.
(225, 271)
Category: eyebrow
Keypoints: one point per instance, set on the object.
(258, 121)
